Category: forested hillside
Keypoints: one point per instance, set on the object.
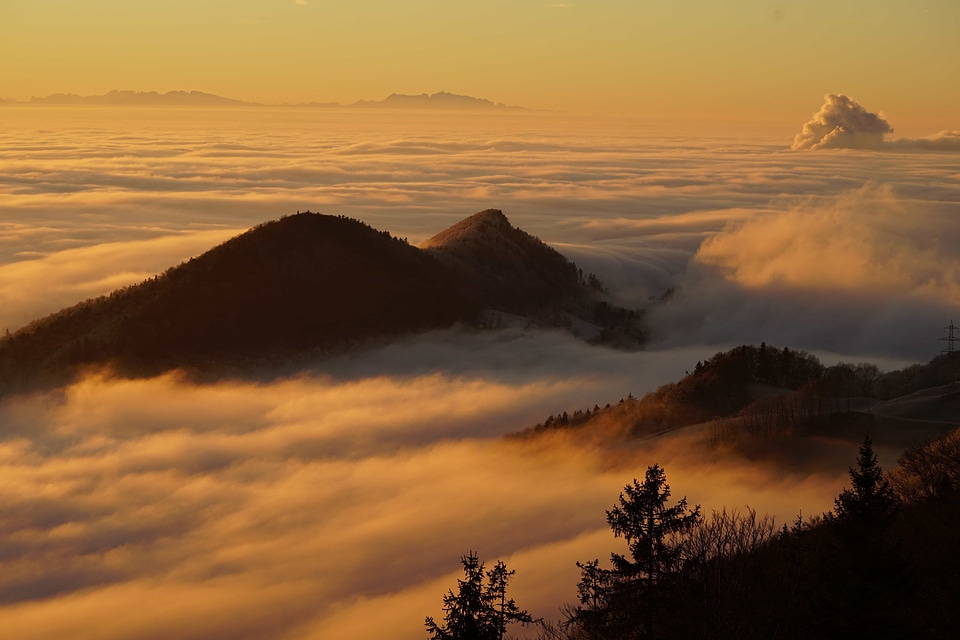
(303, 283)
(884, 563)
(310, 285)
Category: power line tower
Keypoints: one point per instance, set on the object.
(952, 337)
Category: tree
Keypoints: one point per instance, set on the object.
(871, 501)
(595, 615)
(867, 580)
(654, 533)
(479, 610)
(652, 529)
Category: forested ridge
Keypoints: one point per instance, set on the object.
(303, 286)
(763, 391)
(883, 563)
(304, 282)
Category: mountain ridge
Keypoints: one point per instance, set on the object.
(141, 98)
(302, 286)
(439, 101)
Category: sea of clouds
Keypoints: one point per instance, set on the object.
(850, 250)
(333, 504)
(336, 501)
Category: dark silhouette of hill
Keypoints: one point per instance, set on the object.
(766, 402)
(942, 370)
(502, 266)
(305, 283)
(505, 268)
(731, 383)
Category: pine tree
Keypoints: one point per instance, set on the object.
(654, 534)
(871, 501)
(478, 611)
(651, 528)
(866, 574)
(505, 610)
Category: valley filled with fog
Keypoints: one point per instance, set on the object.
(336, 500)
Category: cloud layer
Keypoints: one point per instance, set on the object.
(315, 508)
(868, 272)
(842, 123)
(336, 502)
(95, 200)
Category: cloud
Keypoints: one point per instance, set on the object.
(632, 205)
(842, 123)
(859, 273)
(943, 141)
(866, 241)
(71, 275)
(336, 501)
(291, 508)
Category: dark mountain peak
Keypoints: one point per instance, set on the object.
(485, 226)
(504, 267)
(304, 285)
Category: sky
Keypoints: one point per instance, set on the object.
(694, 59)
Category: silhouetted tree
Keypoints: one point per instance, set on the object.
(505, 610)
(625, 601)
(871, 500)
(866, 577)
(653, 530)
(479, 610)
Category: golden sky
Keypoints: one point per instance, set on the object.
(690, 58)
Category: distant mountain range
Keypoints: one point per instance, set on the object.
(173, 98)
(441, 100)
(310, 285)
(436, 101)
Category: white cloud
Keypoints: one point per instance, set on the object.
(289, 509)
(72, 275)
(842, 123)
(858, 273)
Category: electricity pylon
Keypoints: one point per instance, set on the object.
(953, 336)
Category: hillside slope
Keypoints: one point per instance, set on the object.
(306, 282)
(503, 267)
(307, 285)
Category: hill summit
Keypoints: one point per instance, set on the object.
(303, 285)
(504, 267)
